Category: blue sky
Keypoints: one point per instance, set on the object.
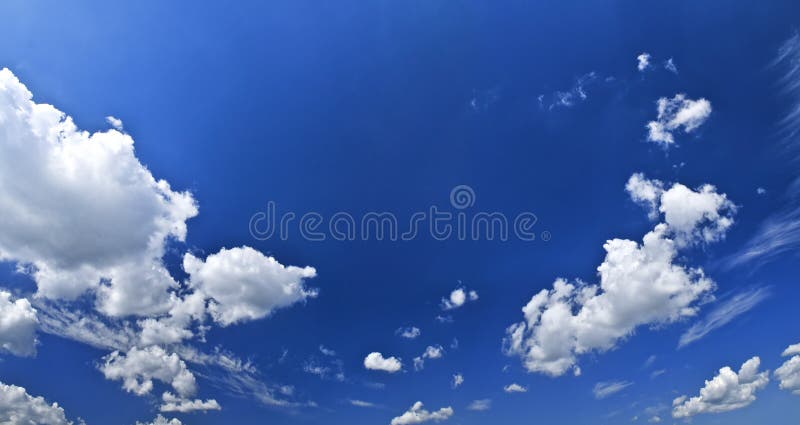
(111, 280)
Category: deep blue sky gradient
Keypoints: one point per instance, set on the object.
(365, 106)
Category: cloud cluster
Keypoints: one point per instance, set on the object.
(160, 420)
(417, 415)
(640, 284)
(376, 361)
(788, 374)
(83, 217)
(18, 324)
(80, 212)
(17, 407)
(431, 352)
(410, 332)
(643, 61)
(692, 215)
(726, 391)
(678, 113)
(139, 367)
(572, 96)
(458, 298)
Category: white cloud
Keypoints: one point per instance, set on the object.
(643, 61)
(244, 284)
(84, 218)
(138, 367)
(789, 372)
(160, 420)
(173, 403)
(376, 361)
(780, 232)
(361, 403)
(480, 405)
(458, 379)
(646, 192)
(602, 390)
(515, 388)
(431, 352)
(155, 332)
(791, 350)
(458, 298)
(18, 324)
(678, 113)
(692, 215)
(417, 415)
(114, 122)
(726, 391)
(670, 66)
(574, 95)
(724, 313)
(17, 407)
(327, 351)
(80, 209)
(410, 332)
(700, 214)
(84, 327)
(640, 284)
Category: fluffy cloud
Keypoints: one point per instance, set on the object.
(160, 420)
(789, 372)
(114, 122)
(480, 405)
(515, 388)
(18, 324)
(726, 391)
(376, 361)
(692, 215)
(431, 352)
(244, 284)
(138, 367)
(640, 284)
(458, 379)
(602, 390)
(417, 415)
(19, 408)
(678, 113)
(173, 403)
(80, 212)
(84, 218)
(458, 298)
(643, 61)
(410, 332)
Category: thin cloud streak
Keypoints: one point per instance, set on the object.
(724, 313)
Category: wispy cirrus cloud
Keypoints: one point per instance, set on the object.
(727, 310)
(602, 390)
(780, 232)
